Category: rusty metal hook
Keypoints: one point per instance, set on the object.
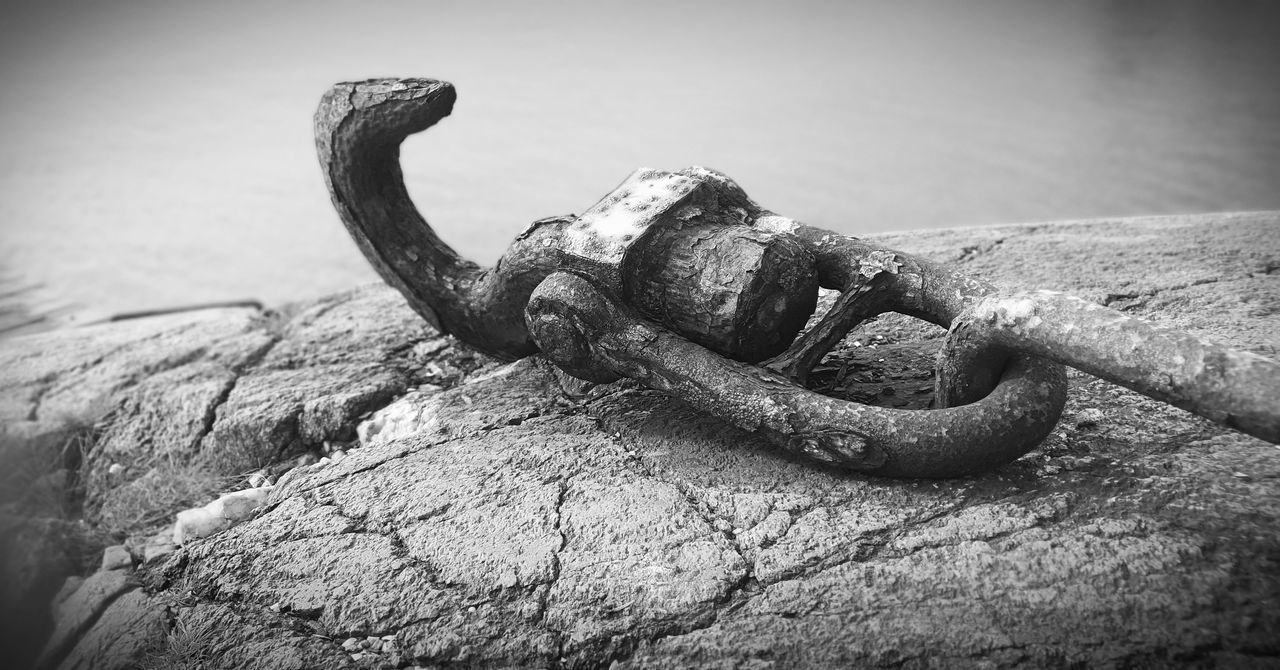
(673, 268)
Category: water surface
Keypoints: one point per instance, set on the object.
(160, 153)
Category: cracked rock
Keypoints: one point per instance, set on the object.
(493, 520)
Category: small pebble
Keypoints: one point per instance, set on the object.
(1089, 417)
(338, 455)
(351, 643)
(115, 469)
(357, 656)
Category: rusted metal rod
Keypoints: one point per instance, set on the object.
(1231, 387)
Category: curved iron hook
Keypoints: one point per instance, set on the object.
(359, 129)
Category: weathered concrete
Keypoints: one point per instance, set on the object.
(504, 515)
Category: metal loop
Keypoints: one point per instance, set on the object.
(1234, 388)
(567, 313)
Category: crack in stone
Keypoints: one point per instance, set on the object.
(403, 452)
(46, 385)
(874, 550)
(723, 605)
(726, 602)
(972, 251)
(1153, 292)
(56, 656)
(544, 601)
(51, 380)
(869, 545)
(402, 552)
(361, 470)
(239, 371)
(211, 414)
(303, 319)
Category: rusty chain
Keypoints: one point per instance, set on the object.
(680, 281)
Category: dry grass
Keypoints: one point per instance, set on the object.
(151, 500)
(188, 646)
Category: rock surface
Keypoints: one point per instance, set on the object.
(503, 515)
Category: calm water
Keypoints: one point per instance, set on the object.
(160, 153)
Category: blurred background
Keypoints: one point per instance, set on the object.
(159, 154)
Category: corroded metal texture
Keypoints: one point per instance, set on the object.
(672, 272)
(568, 314)
(738, 291)
(759, 295)
(1234, 388)
(359, 128)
